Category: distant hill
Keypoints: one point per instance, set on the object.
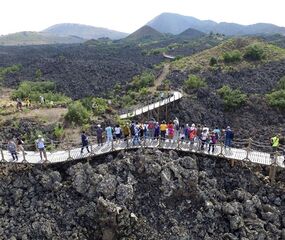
(83, 31)
(145, 33)
(37, 38)
(175, 24)
(191, 33)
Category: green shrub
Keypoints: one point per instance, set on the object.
(11, 69)
(194, 82)
(230, 57)
(254, 53)
(77, 113)
(232, 98)
(58, 131)
(146, 79)
(281, 83)
(213, 61)
(277, 99)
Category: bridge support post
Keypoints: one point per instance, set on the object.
(69, 155)
(178, 144)
(91, 148)
(2, 156)
(24, 156)
(112, 145)
(221, 151)
(272, 170)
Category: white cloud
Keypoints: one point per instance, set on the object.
(129, 15)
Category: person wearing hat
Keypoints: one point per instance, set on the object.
(99, 133)
(229, 136)
(40, 144)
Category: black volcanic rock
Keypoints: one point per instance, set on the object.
(156, 197)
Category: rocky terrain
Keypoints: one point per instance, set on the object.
(78, 70)
(136, 195)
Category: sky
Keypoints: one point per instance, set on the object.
(129, 15)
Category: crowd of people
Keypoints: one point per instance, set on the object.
(151, 130)
(202, 137)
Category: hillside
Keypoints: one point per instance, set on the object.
(175, 24)
(201, 60)
(191, 33)
(37, 38)
(83, 31)
(145, 33)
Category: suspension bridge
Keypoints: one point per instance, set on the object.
(246, 150)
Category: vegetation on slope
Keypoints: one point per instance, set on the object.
(234, 54)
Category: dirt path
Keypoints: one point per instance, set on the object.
(45, 115)
(161, 77)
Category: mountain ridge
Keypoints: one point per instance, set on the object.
(175, 23)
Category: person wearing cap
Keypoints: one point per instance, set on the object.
(229, 136)
(99, 133)
(40, 144)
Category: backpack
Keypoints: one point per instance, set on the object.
(133, 132)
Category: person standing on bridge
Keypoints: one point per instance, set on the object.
(12, 149)
(126, 131)
(99, 133)
(212, 142)
(84, 142)
(163, 128)
(151, 126)
(118, 132)
(229, 136)
(109, 134)
(40, 144)
(170, 128)
(192, 134)
(275, 141)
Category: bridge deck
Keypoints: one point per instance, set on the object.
(175, 96)
(256, 157)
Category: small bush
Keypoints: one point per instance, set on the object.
(194, 82)
(58, 131)
(77, 113)
(230, 57)
(144, 80)
(213, 61)
(254, 53)
(277, 99)
(281, 83)
(232, 98)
